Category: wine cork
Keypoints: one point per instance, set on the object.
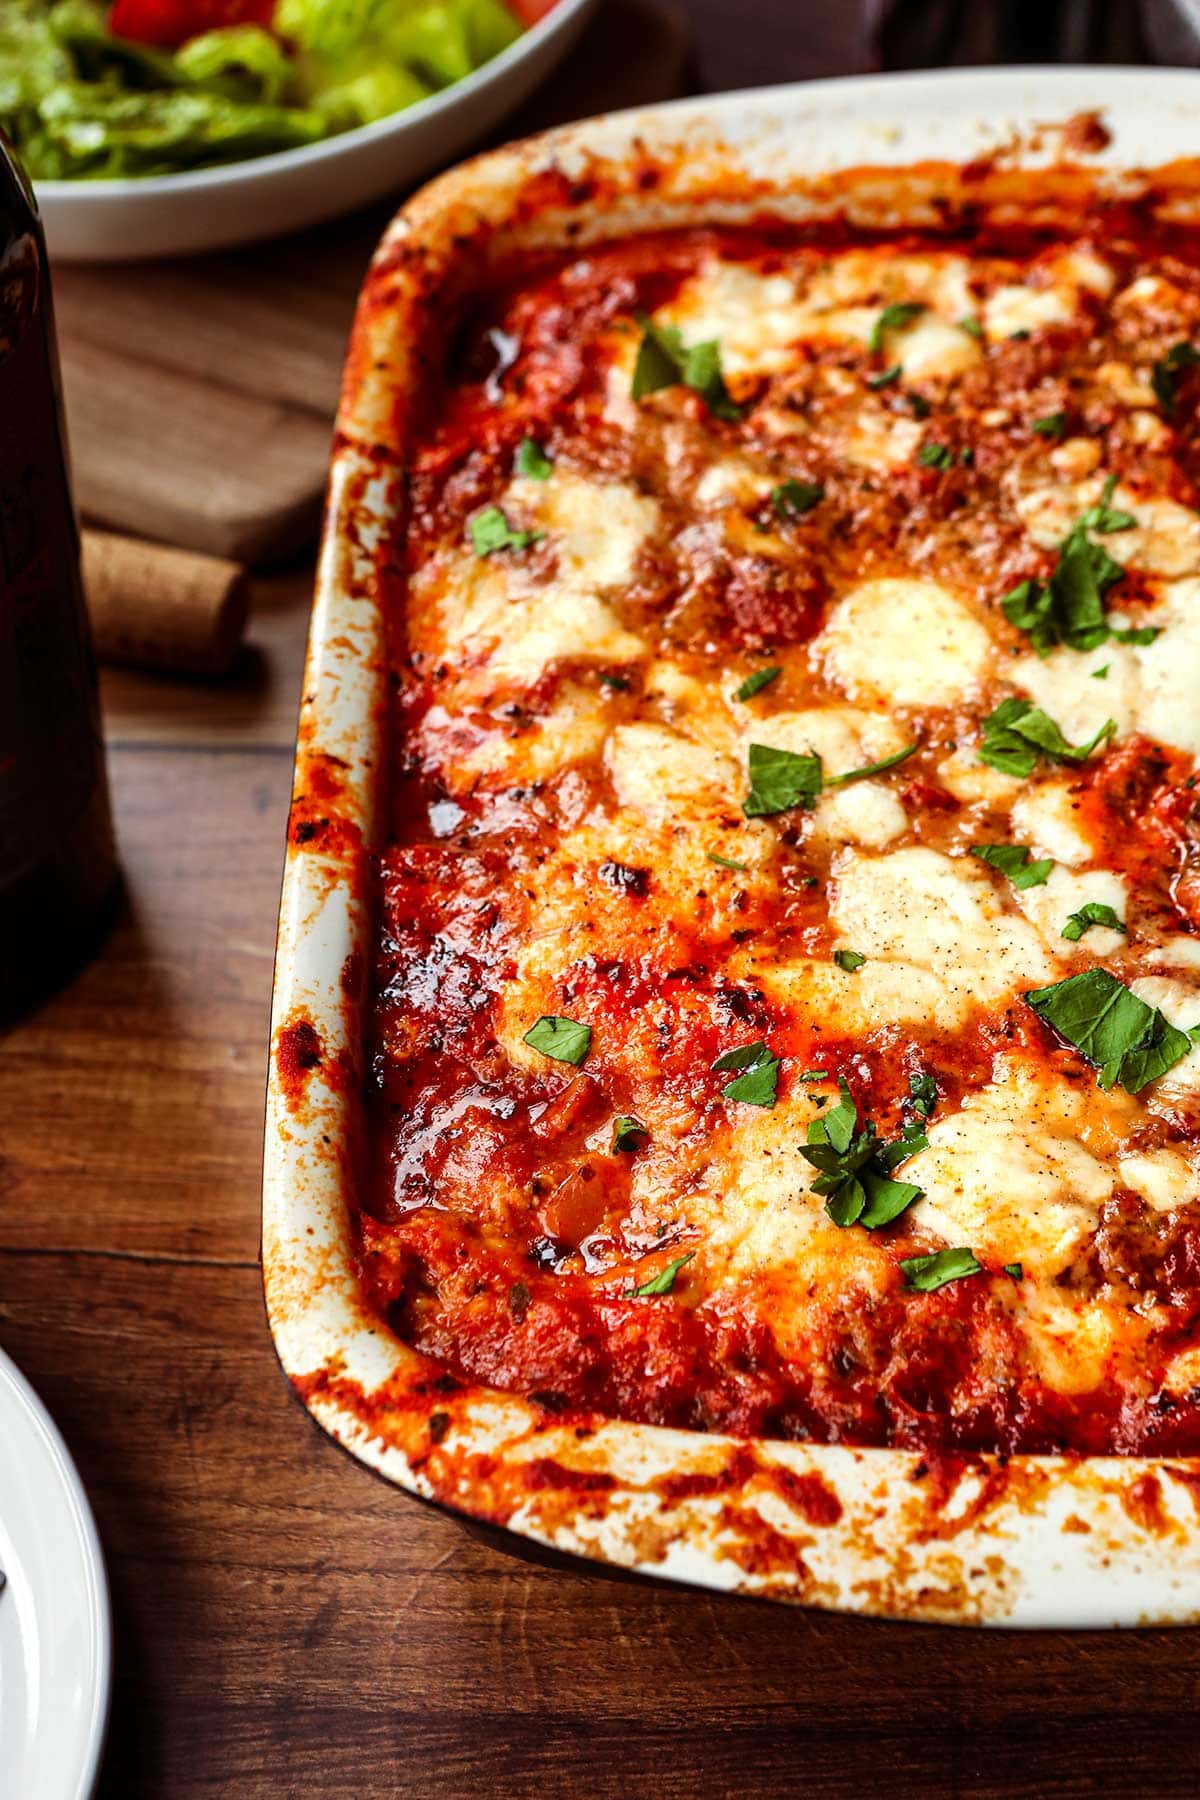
(159, 608)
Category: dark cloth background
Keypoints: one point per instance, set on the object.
(793, 40)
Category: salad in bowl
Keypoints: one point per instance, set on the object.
(138, 88)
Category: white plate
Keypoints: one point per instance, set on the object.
(237, 203)
(55, 1635)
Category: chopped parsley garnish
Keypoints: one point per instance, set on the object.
(813, 1075)
(973, 326)
(780, 779)
(875, 768)
(1053, 425)
(490, 531)
(1168, 372)
(758, 1080)
(1069, 608)
(885, 377)
(918, 405)
(1104, 517)
(754, 684)
(1128, 1041)
(854, 1168)
(849, 960)
(893, 318)
(664, 360)
(1101, 674)
(663, 1282)
(726, 862)
(935, 456)
(532, 461)
(925, 1274)
(1020, 337)
(792, 499)
(1094, 912)
(1017, 733)
(628, 1133)
(1013, 860)
(1015, 1270)
(923, 1093)
(564, 1039)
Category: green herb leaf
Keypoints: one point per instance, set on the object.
(754, 684)
(1017, 733)
(813, 1075)
(885, 378)
(1069, 608)
(564, 1039)
(1168, 373)
(849, 960)
(780, 779)
(875, 768)
(885, 1198)
(1053, 425)
(1101, 674)
(893, 318)
(1137, 634)
(1094, 912)
(759, 1080)
(792, 499)
(1013, 860)
(491, 531)
(853, 1168)
(911, 1140)
(628, 1133)
(973, 326)
(621, 683)
(663, 1282)
(935, 456)
(919, 405)
(532, 461)
(1128, 1041)
(925, 1274)
(726, 862)
(663, 360)
(1103, 516)
(923, 1090)
(1015, 1270)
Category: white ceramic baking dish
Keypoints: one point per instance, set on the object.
(1024, 1541)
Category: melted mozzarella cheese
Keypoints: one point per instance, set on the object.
(866, 813)
(1165, 540)
(757, 318)
(498, 608)
(927, 914)
(1046, 817)
(665, 777)
(1014, 308)
(908, 641)
(933, 346)
(1008, 1176)
(1165, 1178)
(881, 441)
(1063, 893)
(1150, 688)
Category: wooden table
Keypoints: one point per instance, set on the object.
(286, 1624)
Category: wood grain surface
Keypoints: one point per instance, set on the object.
(286, 1624)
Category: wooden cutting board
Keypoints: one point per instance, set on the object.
(200, 393)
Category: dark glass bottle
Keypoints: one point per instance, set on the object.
(57, 862)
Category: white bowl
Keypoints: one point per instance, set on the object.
(263, 196)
